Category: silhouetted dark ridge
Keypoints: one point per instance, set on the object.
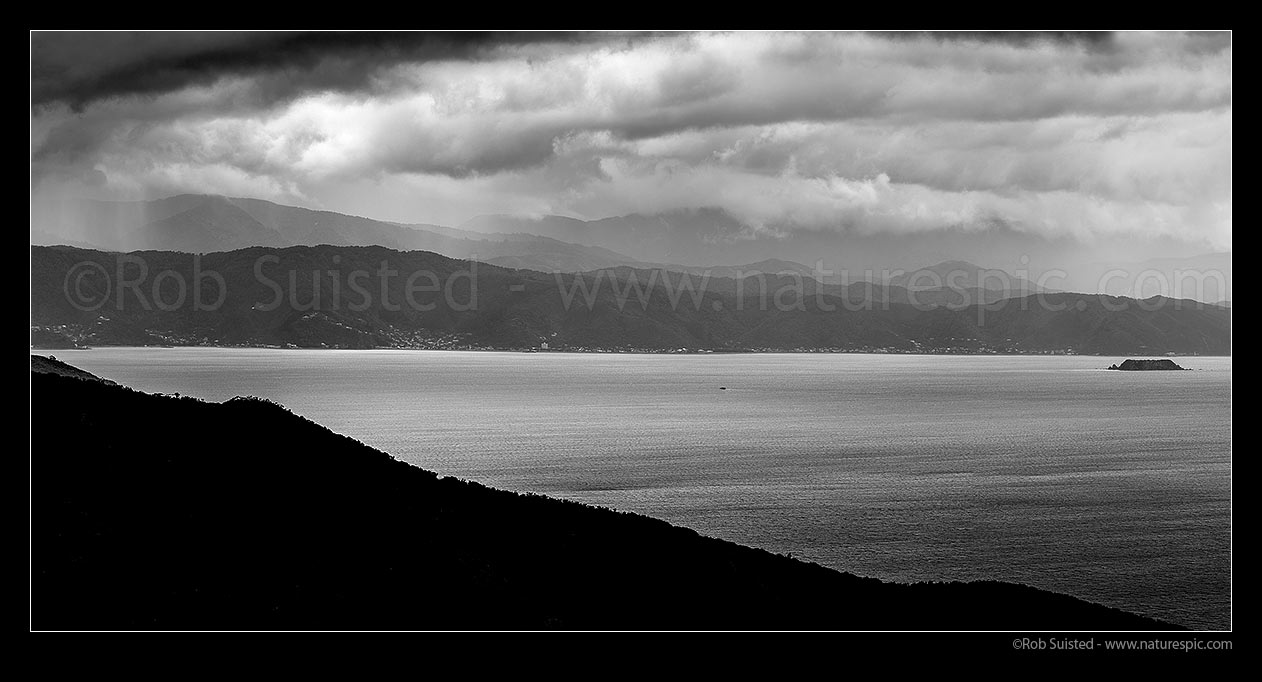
(51, 365)
(157, 512)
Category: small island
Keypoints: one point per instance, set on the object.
(1143, 365)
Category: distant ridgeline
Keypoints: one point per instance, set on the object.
(158, 512)
(368, 297)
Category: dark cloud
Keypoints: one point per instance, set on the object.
(80, 67)
(1066, 133)
(1099, 40)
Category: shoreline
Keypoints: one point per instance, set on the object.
(559, 351)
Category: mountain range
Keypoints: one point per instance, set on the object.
(209, 223)
(364, 297)
(534, 269)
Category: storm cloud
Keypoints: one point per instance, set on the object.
(79, 68)
(1083, 135)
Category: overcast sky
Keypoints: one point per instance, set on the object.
(1082, 136)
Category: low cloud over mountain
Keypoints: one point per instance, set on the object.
(1086, 138)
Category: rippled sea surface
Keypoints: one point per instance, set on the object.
(1111, 486)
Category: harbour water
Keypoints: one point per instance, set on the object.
(1046, 470)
